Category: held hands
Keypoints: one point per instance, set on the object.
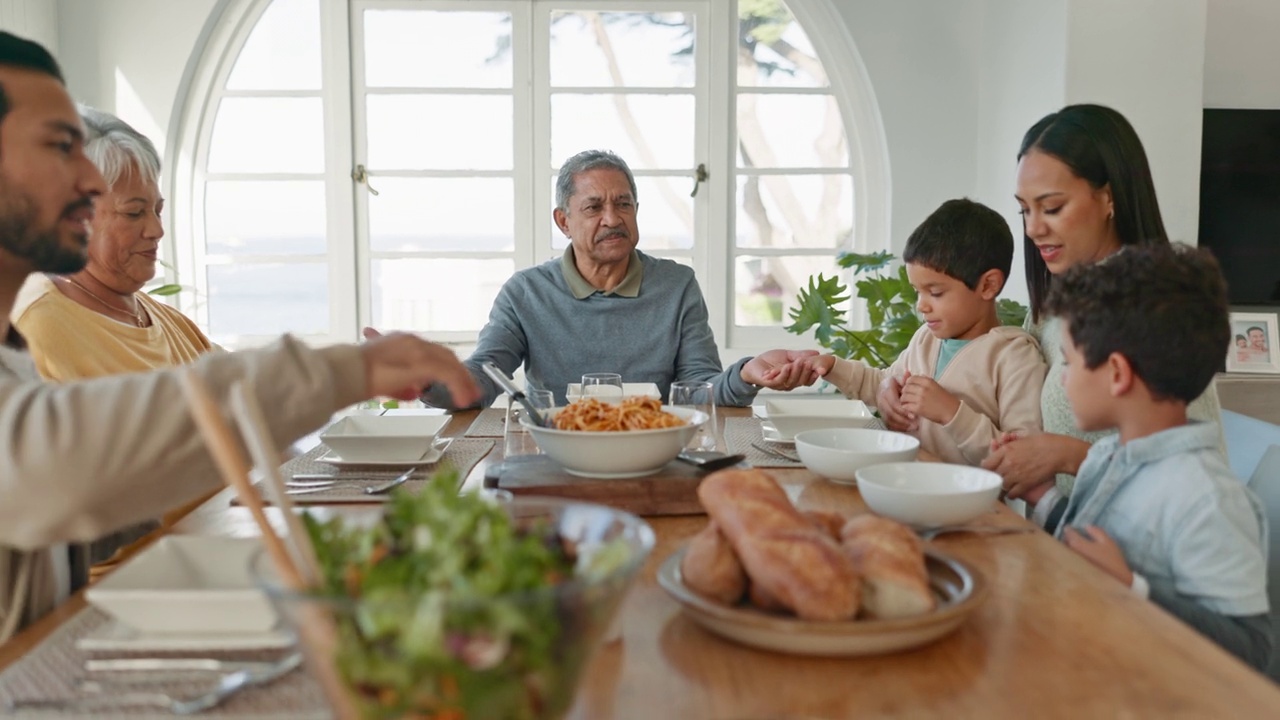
(889, 403)
(400, 365)
(922, 397)
(1098, 548)
(1026, 461)
(782, 369)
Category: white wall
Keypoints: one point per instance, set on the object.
(1242, 54)
(922, 57)
(32, 19)
(1146, 59)
(1022, 78)
(128, 56)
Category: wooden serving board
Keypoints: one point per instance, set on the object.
(673, 490)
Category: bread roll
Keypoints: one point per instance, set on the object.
(781, 550)
(710, 567)
(829, 522)
(890, 558)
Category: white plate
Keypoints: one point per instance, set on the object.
(434, 454)
(115, 636)
(771, 435)
(959, 588)
(186, 583)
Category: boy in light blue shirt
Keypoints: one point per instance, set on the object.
(1156, 505)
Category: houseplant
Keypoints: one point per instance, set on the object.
(891, 303)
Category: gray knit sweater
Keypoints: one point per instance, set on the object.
(651, 328)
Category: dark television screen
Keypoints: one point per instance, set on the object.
(1240, 201)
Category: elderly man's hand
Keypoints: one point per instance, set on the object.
(781, 369)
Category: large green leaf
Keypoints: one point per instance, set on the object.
(165, 290)
(818, 307)
(864, 262)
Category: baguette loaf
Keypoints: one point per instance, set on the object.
(710, 567)
(781, 550)
(890, 559)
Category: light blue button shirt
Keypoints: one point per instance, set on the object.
(1183, 521)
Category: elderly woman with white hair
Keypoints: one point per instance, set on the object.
(98, 321)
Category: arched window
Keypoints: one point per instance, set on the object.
(392, 162)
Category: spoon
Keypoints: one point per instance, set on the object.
(516, 393)
(709, 459)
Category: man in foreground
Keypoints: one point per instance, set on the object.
(80, 460)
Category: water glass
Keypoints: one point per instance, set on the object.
(516, 439)
(602, 385)
(698, 395)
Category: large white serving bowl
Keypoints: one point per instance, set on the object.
(383, 438)
(791, 416)
(928, 494)
(185, 584)
(629, 453)
(838, 453)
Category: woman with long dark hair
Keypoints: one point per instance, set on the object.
(1085, 192)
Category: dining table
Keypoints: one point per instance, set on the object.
(1054, 637)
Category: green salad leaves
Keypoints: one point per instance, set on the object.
(448, 608)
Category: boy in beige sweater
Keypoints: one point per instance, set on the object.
(964, 379)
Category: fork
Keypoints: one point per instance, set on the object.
(369, 490)
(776, 453)
(228, 685)
(303, 484)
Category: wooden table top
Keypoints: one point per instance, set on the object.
(1056, 637)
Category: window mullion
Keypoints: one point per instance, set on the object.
(348, 307)
(541, 164)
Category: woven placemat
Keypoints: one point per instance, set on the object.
(463, 454)
(740, 433)
(52, 668)
(489, 423)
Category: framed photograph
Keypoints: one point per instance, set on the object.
(1254, 347)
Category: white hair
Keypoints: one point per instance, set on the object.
(116, 148)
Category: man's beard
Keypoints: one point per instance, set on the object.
(44, 249)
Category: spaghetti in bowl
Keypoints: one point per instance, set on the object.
(616, 440)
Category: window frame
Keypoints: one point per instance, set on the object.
(229, 28)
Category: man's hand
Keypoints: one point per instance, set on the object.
(780, 369)
(399, 365)
(889, 403)
(922, 397)
(1098, 548)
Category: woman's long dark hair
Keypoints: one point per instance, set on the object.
(1101, 147)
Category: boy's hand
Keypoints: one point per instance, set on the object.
(889, 403)
(923, 397)
(1098, 548)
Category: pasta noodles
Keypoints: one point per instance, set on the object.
(633, 413)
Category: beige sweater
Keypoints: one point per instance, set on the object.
(997, 377)
(80, 460)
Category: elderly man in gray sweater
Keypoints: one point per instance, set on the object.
(607, 307)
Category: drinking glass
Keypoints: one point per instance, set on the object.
(516, 439)
(602, 385)
(698, 395)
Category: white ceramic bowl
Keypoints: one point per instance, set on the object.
(630, 453)
(188, 584)
(791, 416)
(383, 438)
(838, 453)
(928, 494)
